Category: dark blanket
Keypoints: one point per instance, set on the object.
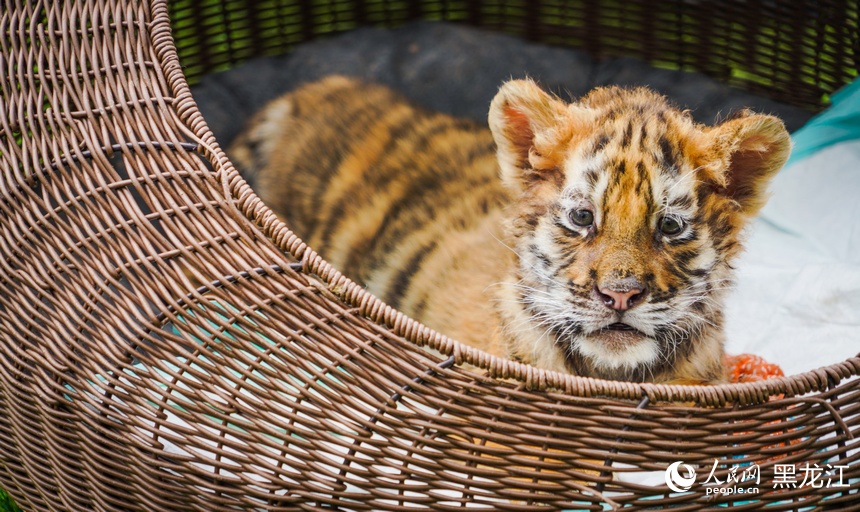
(457, 69)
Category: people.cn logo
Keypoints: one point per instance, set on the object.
(679, 483)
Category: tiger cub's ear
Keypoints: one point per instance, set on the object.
(530, 128)
(751, 149)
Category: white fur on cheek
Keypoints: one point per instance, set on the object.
(530, 264)
(707, 256)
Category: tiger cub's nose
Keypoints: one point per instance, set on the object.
(622, 294)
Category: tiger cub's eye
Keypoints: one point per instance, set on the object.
(670, 225)
(582, 218)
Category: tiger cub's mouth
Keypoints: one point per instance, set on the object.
(619, 326)
(619, 339)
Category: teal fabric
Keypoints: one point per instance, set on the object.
(840, 122)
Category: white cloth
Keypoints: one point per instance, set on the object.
(797, 298)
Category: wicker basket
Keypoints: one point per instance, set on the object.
(281, 385)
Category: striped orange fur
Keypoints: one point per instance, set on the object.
(593, 237)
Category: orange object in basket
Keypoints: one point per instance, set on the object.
(750, 368)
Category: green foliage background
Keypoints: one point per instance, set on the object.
(6, 503)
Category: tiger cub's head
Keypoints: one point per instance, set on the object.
(628, 217)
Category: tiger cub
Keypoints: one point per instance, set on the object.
(594, 237)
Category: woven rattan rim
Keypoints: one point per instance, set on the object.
(373, 308)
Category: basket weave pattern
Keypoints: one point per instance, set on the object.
(167, 344)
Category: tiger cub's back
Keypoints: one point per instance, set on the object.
(390, 194)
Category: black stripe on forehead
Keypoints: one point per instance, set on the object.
(643, 137)
(624, 177)
(617, 170)
(628, 136)
(643, 185)
(670, 155)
